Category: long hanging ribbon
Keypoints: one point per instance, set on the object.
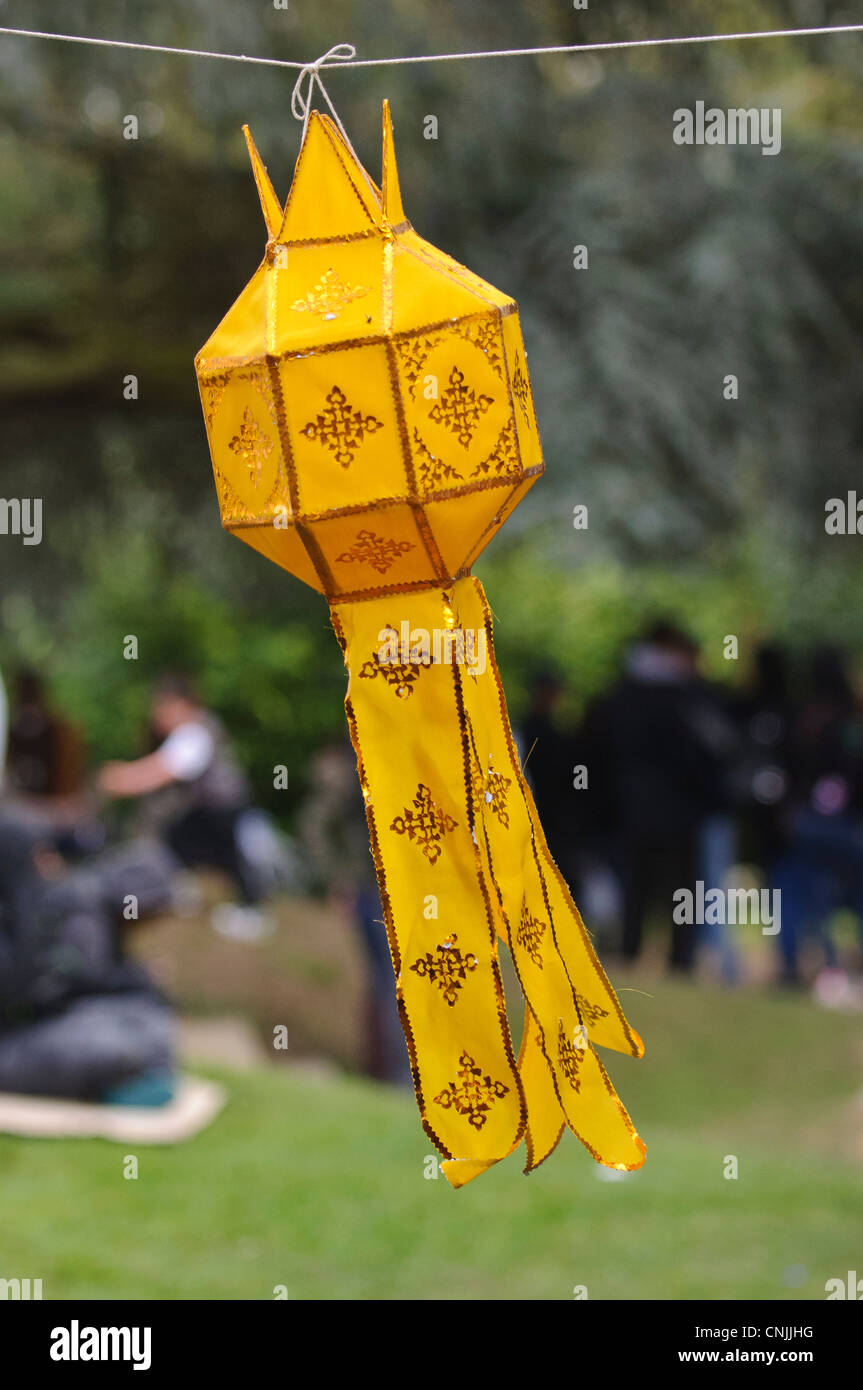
(462, 864)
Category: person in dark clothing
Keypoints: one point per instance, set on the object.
(711, 716)
(335, 838)
(821, 868)
(78, 1019)
(665, 776)
(549, 758)
(767, 718)
(44, 754)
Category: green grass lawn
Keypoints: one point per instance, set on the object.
(317, 1183)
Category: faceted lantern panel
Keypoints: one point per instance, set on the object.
(243, 430)
(527, 431)
(376, 552)
(326, 296)
(457, 407)
(342, 429)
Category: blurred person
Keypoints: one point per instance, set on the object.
(334, 834)
(41, 757)
(4, 731)
(664, 775)
(767, 716)
(78, 1018)
(821, 868)
(548, 758)
(196, 797)
(600, 863)
(44, 754)
(710, 714)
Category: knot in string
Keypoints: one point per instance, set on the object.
(301, 102)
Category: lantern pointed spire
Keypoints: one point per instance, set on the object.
(331, 195)
(270, 205)
(394, 212)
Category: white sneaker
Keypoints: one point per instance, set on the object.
(238, 923)
(834, 990)
(603, 1174)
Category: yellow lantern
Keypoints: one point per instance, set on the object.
(371, 426)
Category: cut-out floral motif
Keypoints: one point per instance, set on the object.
(472, 1094)
(400, 676)
(570, 1056)
(251, 446)
(433, 471)
(329, 296)
(490, 790)
(591, 1013)
(377, 551)
(503, 458)
(460, 408)
(521, 390)
(425, 824)
(446, 967)
(340, 427)
(529, 934)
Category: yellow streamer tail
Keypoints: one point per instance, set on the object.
(462, 862)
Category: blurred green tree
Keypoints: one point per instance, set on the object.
(120, 255)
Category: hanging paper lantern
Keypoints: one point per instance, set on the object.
(371, 426)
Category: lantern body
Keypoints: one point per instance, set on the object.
(371, 426)
(367, 400)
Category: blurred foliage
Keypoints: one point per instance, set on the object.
(272, 682)
(120, 256)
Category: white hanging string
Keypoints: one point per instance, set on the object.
(151, 48)
(301, 106)
(345, 55)
(338, 59)
(621, 43)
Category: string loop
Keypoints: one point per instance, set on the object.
(301, 105)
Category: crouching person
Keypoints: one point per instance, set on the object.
(194, 795)
(78, 1018)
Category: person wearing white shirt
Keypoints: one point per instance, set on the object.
(194, 788)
